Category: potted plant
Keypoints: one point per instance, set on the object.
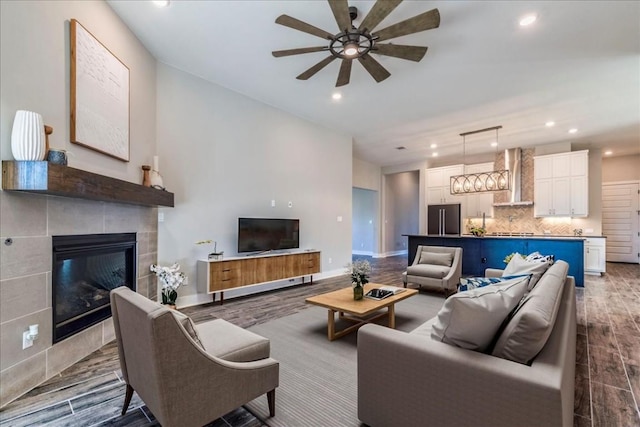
(172, 278)
(477, 231)
(360, 271)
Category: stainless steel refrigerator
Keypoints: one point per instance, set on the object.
(443, 219)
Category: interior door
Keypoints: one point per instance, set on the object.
(621, 221)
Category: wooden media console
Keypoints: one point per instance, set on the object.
(220, 275)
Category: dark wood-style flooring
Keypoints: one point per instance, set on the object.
(607, 393)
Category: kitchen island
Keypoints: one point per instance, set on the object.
(480, 253)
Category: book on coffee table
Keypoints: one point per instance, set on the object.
(383, 292)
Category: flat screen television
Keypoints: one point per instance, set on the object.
(267, 234)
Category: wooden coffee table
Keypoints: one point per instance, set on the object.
(360, 312)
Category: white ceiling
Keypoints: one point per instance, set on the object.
(578, 65)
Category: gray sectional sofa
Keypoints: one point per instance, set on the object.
(411, 379)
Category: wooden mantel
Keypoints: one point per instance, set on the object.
(57, 180)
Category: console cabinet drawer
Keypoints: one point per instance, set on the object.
(226, 274)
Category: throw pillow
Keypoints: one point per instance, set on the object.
(468, 283)
(519, 265)
(528, 330)
(538, 257)
(436, 258)
(188, 325)
(471, 319)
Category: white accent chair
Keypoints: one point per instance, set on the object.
(435, 267)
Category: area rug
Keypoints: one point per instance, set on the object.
(318, 377)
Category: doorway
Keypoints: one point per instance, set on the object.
(365, 222)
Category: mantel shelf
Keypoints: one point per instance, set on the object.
(57, 180)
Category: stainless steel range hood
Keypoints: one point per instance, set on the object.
(513, 163)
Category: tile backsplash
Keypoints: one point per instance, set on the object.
(520, 219)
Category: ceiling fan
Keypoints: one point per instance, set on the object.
(357, 43)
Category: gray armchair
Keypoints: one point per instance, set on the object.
(188, 375)
(436, 267)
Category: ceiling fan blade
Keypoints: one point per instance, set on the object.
(345, 73)
(378, 12)
(377, 71)
(412, 53)
(424, 21)
(289, 52)
(297, 24)
(340, 9)
(319, 66)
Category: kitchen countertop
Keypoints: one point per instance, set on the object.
(487, 236)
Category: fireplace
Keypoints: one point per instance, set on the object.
(85, 269)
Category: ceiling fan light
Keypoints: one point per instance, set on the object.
(351, 49)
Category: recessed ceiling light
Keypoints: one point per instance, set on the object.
(161, 3)
(608, 153)
(494, 144)
(573, 130)
(337, 96)
(527, 20)
(434, 155)
(550, 124)
(433, 145)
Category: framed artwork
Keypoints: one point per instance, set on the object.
(99, 96)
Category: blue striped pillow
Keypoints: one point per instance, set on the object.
(468, 283)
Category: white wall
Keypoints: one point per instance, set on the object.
(34, 75)
(621, 168)
(226, 156)
(366, 175)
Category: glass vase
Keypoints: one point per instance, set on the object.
(358, 291)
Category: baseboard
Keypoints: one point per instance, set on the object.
(393, 253)
(362, 253)
(380, 255)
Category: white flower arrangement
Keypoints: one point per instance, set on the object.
(172, 278)
(360, 270)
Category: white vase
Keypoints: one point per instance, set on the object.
(27, 136)
(154, 176)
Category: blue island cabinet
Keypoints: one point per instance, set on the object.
(480, 253)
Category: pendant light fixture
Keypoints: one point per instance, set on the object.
(481, 182)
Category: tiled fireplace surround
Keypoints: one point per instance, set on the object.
(25, 279)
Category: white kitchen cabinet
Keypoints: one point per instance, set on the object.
(438, 185)
(580, 183)
(561, 184)
(595, 255)
(579, 196)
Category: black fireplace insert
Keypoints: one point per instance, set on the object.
(85, 269)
